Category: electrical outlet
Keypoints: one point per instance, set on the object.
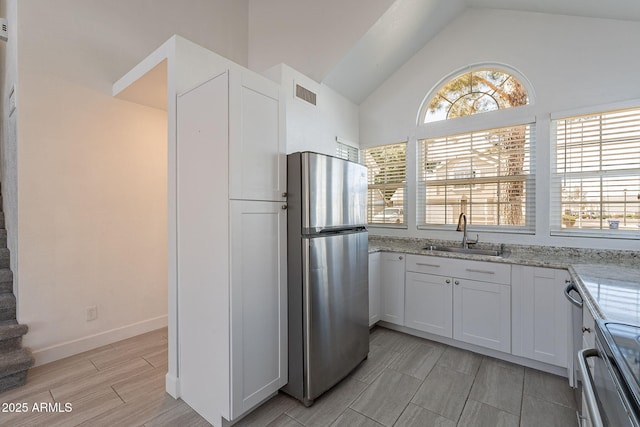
(92, 313)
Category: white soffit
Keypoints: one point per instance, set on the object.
(401, 32)
(149, 89)
(146, 83)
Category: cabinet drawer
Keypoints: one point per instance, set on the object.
(431, 265)
(483, 271)
(460, 268)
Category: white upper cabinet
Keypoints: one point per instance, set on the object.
(257, 138)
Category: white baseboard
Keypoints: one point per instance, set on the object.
(172, 385)
(70, 348)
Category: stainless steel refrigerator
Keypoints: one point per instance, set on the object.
(327, 272)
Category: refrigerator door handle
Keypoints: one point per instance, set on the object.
(306, 316)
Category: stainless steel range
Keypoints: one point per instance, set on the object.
(613, 390)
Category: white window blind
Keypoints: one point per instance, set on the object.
(488, 174)
(347, 152)
(387, 176)
(596, 176)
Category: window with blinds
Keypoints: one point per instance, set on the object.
(596, 176)
(347, 152)
(387, 176)
(486, 174)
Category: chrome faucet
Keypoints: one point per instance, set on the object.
(462, 226)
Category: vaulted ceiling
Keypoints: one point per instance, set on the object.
(368, 41)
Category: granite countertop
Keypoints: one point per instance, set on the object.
(536, 256)
(608, 280)
(609, 293)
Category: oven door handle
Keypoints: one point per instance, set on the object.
(572, 287)
(587, 385)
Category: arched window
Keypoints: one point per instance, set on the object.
(481, 168)
(474, 92)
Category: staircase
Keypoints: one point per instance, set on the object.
(14, 359)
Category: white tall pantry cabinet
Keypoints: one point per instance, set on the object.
(231, 244)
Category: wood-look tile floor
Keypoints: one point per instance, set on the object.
(406, 381)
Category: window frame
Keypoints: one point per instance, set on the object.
(468, 125)
(363, 156)
(347, 147)
(555, 181)
(513, 116)
(516, 111)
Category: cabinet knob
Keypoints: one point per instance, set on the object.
(284, 194)
(585, 329)
(457, 282)
(284, 207)
(447, 281)
(400, 257)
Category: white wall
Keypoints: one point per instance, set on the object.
(92, 169)
(315, 128)
(571, 63)
(310, 36)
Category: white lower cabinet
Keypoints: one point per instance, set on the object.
(482, 314)
(374, 288)
(392, 287)
(455, 304)
(588, 329)
(541, 314)
(258, 302)
(429, 303)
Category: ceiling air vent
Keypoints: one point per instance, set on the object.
(305, 94)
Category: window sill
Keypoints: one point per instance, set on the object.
(598, 234)
(394, 226)
(476, 229)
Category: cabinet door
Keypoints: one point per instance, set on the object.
(392, 286)
(482, 314)
(541, 314)
(258, 303)
(374, 288)
(428, 303)
(256, 150)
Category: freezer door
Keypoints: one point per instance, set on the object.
(336, 309)
(334, 193)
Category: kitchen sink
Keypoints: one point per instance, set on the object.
(457, 249)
